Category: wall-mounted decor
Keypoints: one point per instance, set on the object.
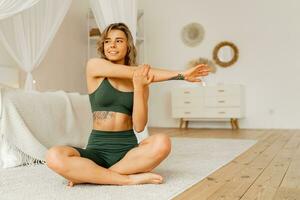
(192, 34)
(225, 54)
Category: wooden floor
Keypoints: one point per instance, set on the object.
(268, 170)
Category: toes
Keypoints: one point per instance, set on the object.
(157, 181)
(159, 177)
(70, 184)
(160, 180)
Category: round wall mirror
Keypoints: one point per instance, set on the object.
(225, 54)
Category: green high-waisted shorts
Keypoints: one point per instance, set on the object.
(106, 148)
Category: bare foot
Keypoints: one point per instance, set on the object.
(73, 183)
(145, 178)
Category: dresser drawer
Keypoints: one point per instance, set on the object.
(187, 112)
(187, 92)
(222, 90)
(222, 112)
(187, 102)
(209, 102)
(222, 101)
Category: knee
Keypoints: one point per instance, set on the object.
(55, 159)
(161, 145)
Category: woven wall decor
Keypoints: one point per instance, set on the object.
(192, 34)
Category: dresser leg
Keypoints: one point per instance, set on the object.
(232, 123)
(186, 124)
(236, 122)
(181, 123)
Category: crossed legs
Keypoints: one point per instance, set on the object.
(144, 158)
(133, 168)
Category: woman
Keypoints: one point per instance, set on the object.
(118, 92)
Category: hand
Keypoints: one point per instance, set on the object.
(141, 77)
(197, 71)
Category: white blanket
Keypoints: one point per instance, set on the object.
(32, 122)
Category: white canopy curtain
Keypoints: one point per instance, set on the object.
(11, 7)
(113, 11)
(28, 34)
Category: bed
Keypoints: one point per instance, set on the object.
(32, 121)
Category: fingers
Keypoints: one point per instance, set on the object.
(141, 75)
(146, 69)
(203, 67)
(139, 70)
(202, 73)
(202, 70)
(150, 79)
(195, 80)
(143, 69)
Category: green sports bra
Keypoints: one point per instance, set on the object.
(108, 98)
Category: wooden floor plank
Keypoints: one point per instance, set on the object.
(266, 185)
(290, 186)
(217, 179)
(239, 184)
(209, 133)
(268, 170)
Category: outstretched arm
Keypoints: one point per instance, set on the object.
(98, 67)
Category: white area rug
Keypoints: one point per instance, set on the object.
(191, 160)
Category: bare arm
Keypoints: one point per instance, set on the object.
(140, 109)
(97, 67)
(141, 80)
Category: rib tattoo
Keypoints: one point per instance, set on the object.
(102, 115)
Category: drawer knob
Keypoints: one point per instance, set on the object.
(187, 102)
(187, 112)
(221, 101)
(222, 112)
(186, 92)
(221, 90)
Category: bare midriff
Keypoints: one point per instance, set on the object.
(111, 121)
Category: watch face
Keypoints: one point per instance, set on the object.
(192, 34)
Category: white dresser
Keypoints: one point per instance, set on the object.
(213, 103)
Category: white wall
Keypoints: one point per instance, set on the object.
(267, 35)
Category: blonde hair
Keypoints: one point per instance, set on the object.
(130, 58)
